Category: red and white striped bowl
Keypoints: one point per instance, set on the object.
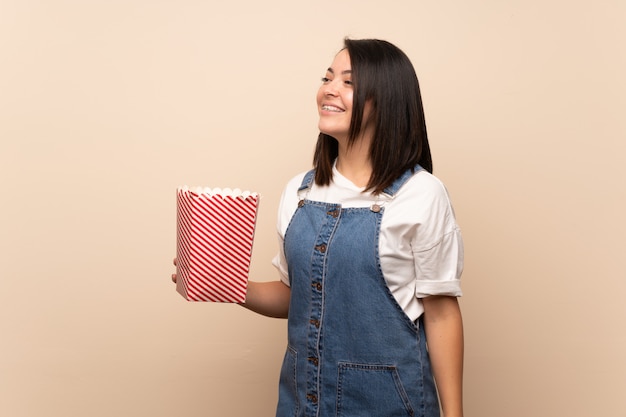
(215, 232)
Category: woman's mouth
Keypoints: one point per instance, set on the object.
(330, 108)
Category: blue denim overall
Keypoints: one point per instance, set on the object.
(352, 352)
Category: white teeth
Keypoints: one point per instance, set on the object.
(331, 108)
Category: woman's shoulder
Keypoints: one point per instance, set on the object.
(423, 196)
(294, 183)
(423, 184)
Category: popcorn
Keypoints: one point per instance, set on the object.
(215, 232)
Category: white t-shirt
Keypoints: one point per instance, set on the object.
(420, 245)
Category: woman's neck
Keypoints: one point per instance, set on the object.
(354, 163)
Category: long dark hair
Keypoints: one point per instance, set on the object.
(383, 75)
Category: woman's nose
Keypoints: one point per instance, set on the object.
(330, 89)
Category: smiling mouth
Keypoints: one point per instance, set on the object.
(334, 109)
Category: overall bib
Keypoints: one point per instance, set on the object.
(352, 352)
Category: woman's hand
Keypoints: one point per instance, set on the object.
(174, 275)
(266, 298)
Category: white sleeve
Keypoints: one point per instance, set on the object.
(286, 208)
(439, 268)
(438, 248)
(280, 262)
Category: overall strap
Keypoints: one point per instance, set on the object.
(305, 186)
(307, 181)
(399, 182)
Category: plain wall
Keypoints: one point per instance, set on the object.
(107, 106)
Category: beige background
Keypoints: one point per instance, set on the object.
(107, 106)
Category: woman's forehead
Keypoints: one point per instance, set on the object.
(341, 63)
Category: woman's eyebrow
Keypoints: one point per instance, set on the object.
(342, 72)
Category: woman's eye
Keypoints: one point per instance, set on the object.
(346, 82)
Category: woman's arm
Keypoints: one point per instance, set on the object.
(444, 334)
(268, 298)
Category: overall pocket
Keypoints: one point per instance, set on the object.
(288, 403)
(371, 390)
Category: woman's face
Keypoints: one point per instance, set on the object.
(334, 98)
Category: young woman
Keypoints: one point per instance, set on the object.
(370, 255)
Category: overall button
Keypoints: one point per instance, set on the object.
(315, 322)
(317, 286)
(334, 213)
(301, 203)
(321, 248)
